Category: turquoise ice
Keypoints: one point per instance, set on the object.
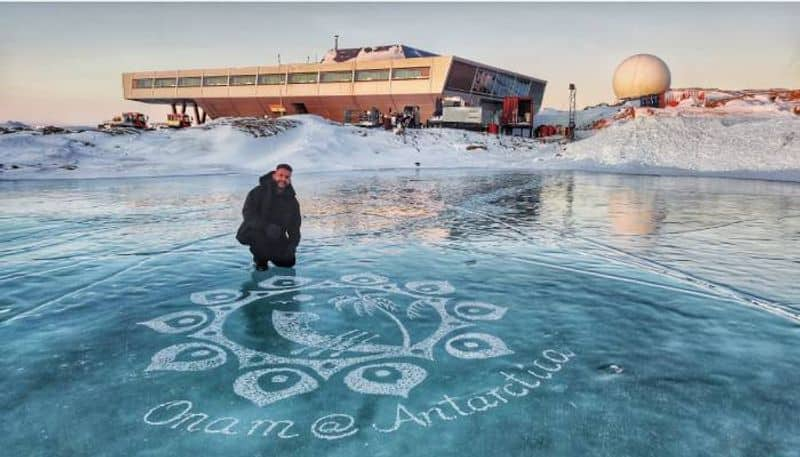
(455, 313)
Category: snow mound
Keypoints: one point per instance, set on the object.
(13, 126)
(252, 145)
(731, 146)
(752, 141)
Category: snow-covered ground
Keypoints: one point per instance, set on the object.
(751, 137)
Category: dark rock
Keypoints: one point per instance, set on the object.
(611, 368)
(471, 147)
(51, 129)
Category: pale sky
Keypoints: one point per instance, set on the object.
(62, 63)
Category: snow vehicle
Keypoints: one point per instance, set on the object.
(178, 121)
(370, 118)
(456, 113)
(411, 116)
(134, 120)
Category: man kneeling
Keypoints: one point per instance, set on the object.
(271, 224)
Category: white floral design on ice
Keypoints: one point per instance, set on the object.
(386, 379)
(479, 311)
(214, 297)
(431, 287)
(283, 383)
(180, 322)
(365, 279)
(317, 352)
(202, 356)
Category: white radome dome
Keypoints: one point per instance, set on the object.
(641, 74)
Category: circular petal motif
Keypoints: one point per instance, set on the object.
(284, 282)
(386, 379)
(180, 322)
(188, 357)
(430, 287)
(364, 279)
(215, 297)
(479, 311)
(263, 387)
(477, 346)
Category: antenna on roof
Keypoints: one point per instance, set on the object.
(279, 58)
(336, 42)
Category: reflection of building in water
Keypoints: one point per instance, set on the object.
(556, 200)
(415, 207)
(432, 235)
(372, 208)
(631, 213)
(600, 201)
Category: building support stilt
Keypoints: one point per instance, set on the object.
(174, 109)
(183, 107)
(196, 113)
(203, 117)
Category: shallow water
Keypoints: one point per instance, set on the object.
(431, 312)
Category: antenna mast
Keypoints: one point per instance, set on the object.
(571, 126)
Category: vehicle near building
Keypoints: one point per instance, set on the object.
(129, 120)
(455, 113)
(178, 121)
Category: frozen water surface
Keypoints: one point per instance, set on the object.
(431, 313)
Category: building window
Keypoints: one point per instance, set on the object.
(523, 87)
(243, 80)
(215, 80)
(189, 81)
(372, 75)
(302, 78)
(143, 83)
(336, 76)
(411, 73)
(276, 78)
(461, 76)
(484, 81)
(503, 85)
(165, 82)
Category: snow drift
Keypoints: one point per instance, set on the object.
(745, 139)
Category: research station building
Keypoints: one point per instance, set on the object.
(345, 80)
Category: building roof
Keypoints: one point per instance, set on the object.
(367, 53)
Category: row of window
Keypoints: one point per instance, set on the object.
(280, 78)
(469, 78)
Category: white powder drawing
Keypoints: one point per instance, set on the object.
(402, 323)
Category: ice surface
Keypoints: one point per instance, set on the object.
(454, 312)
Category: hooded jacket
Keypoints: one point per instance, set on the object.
(270, 216)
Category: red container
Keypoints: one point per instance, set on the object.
(492, 128)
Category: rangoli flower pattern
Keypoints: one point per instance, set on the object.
(414, 319)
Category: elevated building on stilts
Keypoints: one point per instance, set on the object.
(390, 78)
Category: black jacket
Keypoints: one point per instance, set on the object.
(270, 216)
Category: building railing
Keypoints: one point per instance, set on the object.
(267, 79)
